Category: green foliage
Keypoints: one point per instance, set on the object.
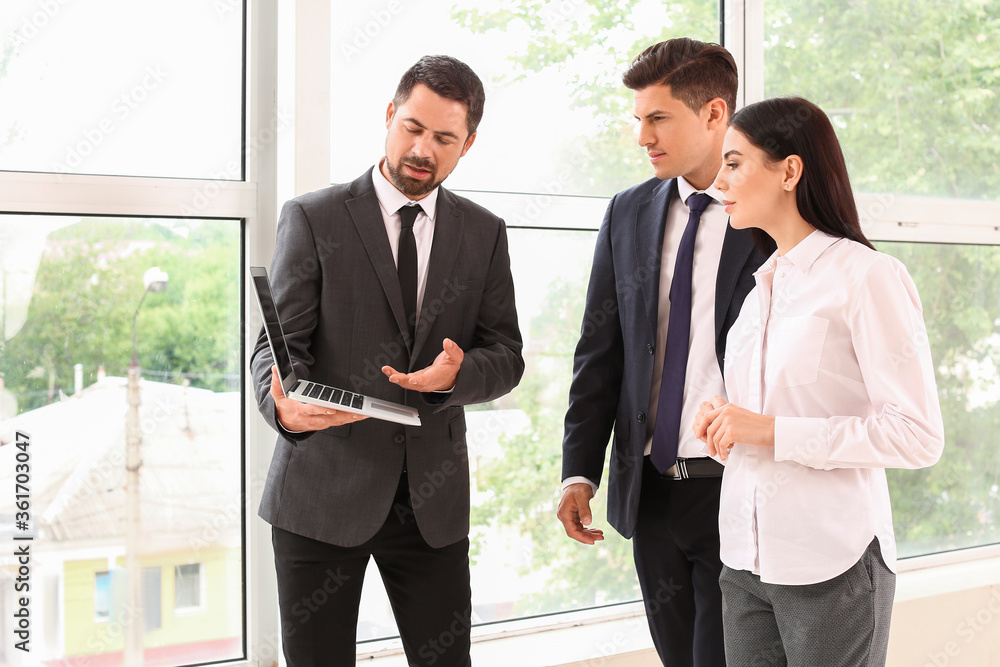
(87, 288)
(913, 88)
(589, 43)
(956, 503)
(525, 481)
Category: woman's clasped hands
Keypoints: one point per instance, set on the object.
(721, 425)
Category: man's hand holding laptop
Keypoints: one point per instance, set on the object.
(299, 417)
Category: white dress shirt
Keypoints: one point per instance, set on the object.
(390, 200)
(832, 343)
(703, 377)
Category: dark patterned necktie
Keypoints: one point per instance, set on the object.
(670, 403)
(406, 263)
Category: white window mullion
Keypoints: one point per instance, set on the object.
(80, 194)
(743, 22)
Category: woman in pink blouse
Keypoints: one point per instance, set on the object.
(830, 381)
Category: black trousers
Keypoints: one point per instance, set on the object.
(676, 549)
(319, 592)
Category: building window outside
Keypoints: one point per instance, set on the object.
(102, 596)
(70, 288)
(152, 598)
(187, 587)
(554, 69)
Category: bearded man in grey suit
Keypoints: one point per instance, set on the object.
(412, 305)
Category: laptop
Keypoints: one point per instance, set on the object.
(315, 393)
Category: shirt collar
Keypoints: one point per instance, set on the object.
(392, 199)
(685, 190)
(804, 254)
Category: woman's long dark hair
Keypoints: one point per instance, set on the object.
(785, 126)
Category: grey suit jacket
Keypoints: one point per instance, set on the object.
(338, 296)
(613, 364)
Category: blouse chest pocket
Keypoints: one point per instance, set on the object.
(794, 350)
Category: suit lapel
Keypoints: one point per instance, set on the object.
(367, 216)
(444, 252)
(650, 225)
(736, 250)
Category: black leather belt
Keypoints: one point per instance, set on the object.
(694, 468)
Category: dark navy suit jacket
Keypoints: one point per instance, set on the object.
(613, 365)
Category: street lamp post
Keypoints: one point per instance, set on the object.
(154, 280)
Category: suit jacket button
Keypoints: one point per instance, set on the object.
(641, 417)
(399, 438)
(650, 348)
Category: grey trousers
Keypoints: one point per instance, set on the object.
(843, 622)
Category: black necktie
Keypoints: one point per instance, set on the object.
(671, 400)
(406, 263)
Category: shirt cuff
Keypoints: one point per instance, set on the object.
(579, 480)
(804, 440)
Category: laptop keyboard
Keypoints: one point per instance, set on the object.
(333, 395)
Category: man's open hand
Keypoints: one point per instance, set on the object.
(439, 376)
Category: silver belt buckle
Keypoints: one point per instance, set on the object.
(677, 470)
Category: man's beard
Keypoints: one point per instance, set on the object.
(409, 186)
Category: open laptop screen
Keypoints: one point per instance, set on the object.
(272, 325)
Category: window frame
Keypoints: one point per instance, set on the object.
(251, 203)
(302, 149)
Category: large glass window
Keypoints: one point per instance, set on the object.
(556, 139)
(557, 119)
(955, 503)
(121, 87)
(910, 86)
(76, 312)
(911, 90)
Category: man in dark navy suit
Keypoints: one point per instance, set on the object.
(669, 276)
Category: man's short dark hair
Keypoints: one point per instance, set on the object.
(697, 72)
(450, 78)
